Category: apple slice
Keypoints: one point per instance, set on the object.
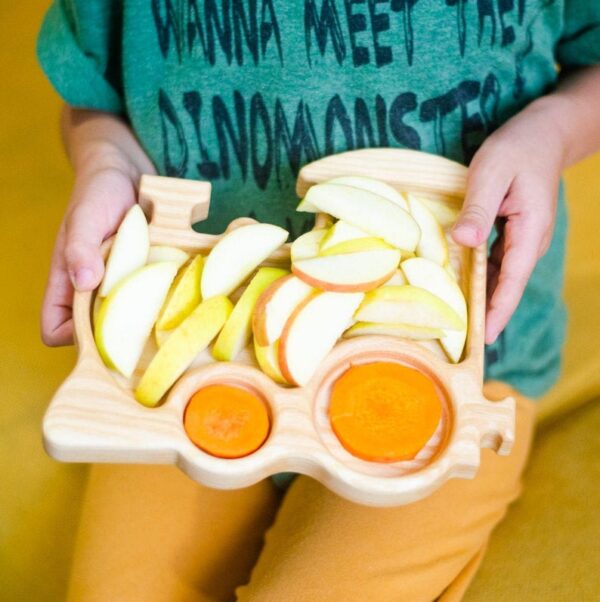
(432, 244)
(312, 331)
(373, 213)
(160, 336)
(405, 331)
(236, 255)
(398, 279)
(349, 272)
(307, 245)
(238, 329)
(345, 238)
(275, 306)
(129, 250)
(183, 297)
(128, 313)
(444, 212)
(165, 253)
(341, 231)
(191, 337)
(372, 185)
(436, 279)
(268, 360)
(408, 305)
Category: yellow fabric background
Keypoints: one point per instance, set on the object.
(546, 550)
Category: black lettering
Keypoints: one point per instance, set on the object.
(381, 116)
(192, 102)
(258, 113)
(380, 22)
(363, 125)
(404, 134)
(173, 137)
(217, 28)
(165, 26)
(269, 26)
(324, 26)
(245, 27)
(357, 23)
(336, 113)
(225, 128)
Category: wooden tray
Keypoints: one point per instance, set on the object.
(93, 417)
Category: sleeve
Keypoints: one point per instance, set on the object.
(79, 50)
(580, 41)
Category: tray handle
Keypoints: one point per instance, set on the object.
(495, 423)
(173, 205)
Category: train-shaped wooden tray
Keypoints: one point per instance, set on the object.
(94, 417)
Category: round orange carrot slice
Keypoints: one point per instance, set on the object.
(384, 411)
(226, 421)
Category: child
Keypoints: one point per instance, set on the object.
(243, 93)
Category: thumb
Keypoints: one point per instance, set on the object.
(485, 192)
(84, 235)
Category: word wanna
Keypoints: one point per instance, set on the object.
(260, 137)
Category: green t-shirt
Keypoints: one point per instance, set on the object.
(244, 92)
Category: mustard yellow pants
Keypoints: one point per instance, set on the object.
(150, 534)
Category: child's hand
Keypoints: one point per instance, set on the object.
(105, 187)
(514, 177)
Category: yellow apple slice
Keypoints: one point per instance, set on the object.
(312, 331)
(432, 244)
(238, 329)
(354, 246)
(160, 336)
(128, 313)
(191, 337)
(129, 250)
(436, 279)
(349, 272)
(307, 245)
(398, 279)
(183, 297)
(371, 212)
(275, 306)
(444, 212)
(405, 331)
(371, 184)
(268, 361)
(341, 231)
(236, 256)
(409, 305)
(165, 253)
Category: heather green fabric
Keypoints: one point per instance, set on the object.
(243, 92)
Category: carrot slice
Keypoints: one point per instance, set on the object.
(383, 411)
(226, 421)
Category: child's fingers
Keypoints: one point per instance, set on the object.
(487, 186)
(520, 247)
(56, 324)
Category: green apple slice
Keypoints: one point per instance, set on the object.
(237, 255)
(307, 245)
(408, 305)
(128, 313)
(129, 250)
(191, 337)
(183, 297)
(436, 279)
(432, 244)
(371, 212)
(350, 272)
(238, 329)
(165, 253)
(275, 306)
(372, 185)
(405, 331)
(268, 361)
(312, 331)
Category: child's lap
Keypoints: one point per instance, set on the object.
(150, 533)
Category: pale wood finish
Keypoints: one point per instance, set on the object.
(94, 417)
